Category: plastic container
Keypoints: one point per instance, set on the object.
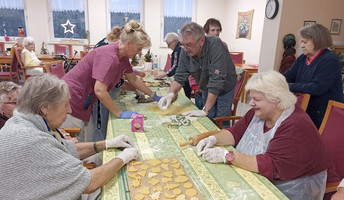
(67, 50)
(156, 63)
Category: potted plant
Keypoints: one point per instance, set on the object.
(148, 61)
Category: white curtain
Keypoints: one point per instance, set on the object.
(125, 6)
(178, 8)
(67, 5)
(11, 4)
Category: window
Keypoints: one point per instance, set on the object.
(122, 11)
(68, 18)
(11, 17)
(176, 13)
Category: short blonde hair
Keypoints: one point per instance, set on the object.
(40, 90)
(274, 87)
(114, 34)
(133, 32)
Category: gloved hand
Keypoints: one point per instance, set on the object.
(196, 113)
(126, 114)
(128, 154)
(119, 141)
(204, 144)
(165, 101)
(215, 155)
(156, 98)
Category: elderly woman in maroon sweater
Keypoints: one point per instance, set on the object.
(276, 138)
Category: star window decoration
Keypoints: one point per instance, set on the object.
(68, 25)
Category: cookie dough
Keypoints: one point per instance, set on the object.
(191, 192)
(144, 190)
(188, 185)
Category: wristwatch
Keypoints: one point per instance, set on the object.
(205, 110)
(230, 157)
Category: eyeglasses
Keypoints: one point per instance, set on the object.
(14, 103)
(189, 47)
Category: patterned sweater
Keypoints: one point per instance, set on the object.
(35, 165)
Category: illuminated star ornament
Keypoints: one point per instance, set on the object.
(67, 25)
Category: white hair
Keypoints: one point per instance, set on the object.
(274, 87)
(170, 37)
(28, 40)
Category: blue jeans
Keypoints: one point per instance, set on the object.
(222, 106)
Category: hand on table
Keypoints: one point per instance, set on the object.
(128, 154)
(214, 155)
(165, 101)
(119, 141)
(204, 144)
(196, 113)
(160, 74)
(126, 114)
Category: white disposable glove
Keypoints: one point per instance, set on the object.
(128, 154)
(205, 144)
(196, 113)
(215, 155)
(165, 101)
(119, 141)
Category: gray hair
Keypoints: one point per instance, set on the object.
(133, 31)
(41, 90)
(6, 89)
(28, 40)
(319, 34)
(170, 37)
(274, 87)
(192, 28)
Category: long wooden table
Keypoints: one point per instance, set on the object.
(214, 181)
(7, 59)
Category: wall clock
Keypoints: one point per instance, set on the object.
(271, 9)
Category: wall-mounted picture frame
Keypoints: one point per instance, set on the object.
(306, 23)
(335, 26)
(244, 27)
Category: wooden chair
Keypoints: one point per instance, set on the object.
(237, 57)
(303, 100)
(332, 135)
(9, 72)
(45, 67)
(83, 53)
(88, 47)
(63, 49)
(239, 87)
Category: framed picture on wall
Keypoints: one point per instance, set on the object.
(306, 23)
(335, 26)
(244, 27)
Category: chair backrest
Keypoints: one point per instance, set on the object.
(63, 49)
(239, 87)
(332, 134)
(303, 100)
(237, 57)
(88, 47)
(57, 69)
(168, 63)
(17, 53)
(83, 53)
(2, 46)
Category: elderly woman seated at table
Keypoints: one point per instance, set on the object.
(8, 98)
(29, 57)
(276, 138)
(37, 162)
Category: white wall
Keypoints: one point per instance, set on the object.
(251, 48)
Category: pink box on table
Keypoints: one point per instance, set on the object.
(137, 122)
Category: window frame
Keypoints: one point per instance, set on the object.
(14, 38)
(52, 38)
(193, 19)
(108, 15)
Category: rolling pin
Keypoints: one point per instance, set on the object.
(196, 138)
